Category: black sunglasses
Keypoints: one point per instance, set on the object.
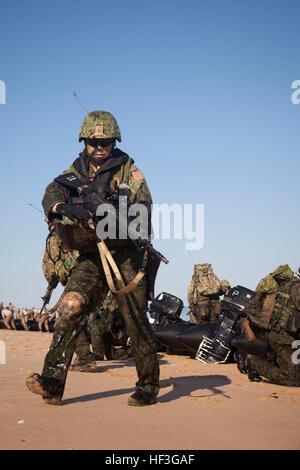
(99, 142)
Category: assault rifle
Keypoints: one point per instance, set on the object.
(46, 298)
(91, 199)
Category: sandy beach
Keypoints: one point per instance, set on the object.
(199, 406)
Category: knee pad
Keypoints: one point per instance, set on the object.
(70, 310)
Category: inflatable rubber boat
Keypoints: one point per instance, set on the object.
(207, 343)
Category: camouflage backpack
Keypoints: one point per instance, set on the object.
(203, 283)
(284, 310)
(267, 285)
(267, 310)
(57, 264)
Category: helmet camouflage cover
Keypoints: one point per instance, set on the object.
(100, 125)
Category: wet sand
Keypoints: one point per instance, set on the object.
(200, 406)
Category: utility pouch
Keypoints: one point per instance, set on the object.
(57, 264)
(293, 323)
(65, 264)
(76, 237)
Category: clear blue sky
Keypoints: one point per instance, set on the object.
(202, 93)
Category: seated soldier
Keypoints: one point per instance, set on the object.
(25, 316)
(271, 329)
(36, 314)
(8, 318)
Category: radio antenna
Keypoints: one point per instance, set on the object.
(83, 107)
(31, 205)
(191, 257)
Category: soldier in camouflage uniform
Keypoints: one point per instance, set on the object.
(274, 318)
(106, 327)
(72, 258)
(206, 308)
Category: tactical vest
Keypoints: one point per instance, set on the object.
(194, 296)
(121, 176)
(75, 237)
(283, 308)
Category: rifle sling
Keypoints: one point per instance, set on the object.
(107, 260)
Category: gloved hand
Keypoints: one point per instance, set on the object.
(244, 366)
(73, 212)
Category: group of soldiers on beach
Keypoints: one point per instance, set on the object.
(10, 314)
(90, 266)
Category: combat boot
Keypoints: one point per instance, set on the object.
(99, 357)
(121, 353)
(84, 367)
(49, 388)
(141, 398)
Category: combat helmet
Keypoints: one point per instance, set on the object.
(100, 125)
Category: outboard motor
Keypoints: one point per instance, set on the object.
(216, 349)
(166, 309)
(238, 297)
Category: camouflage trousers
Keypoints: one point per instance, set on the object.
(82, 349)
(101, 339)
(278, 367)
(87, 278)
(207, 312)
